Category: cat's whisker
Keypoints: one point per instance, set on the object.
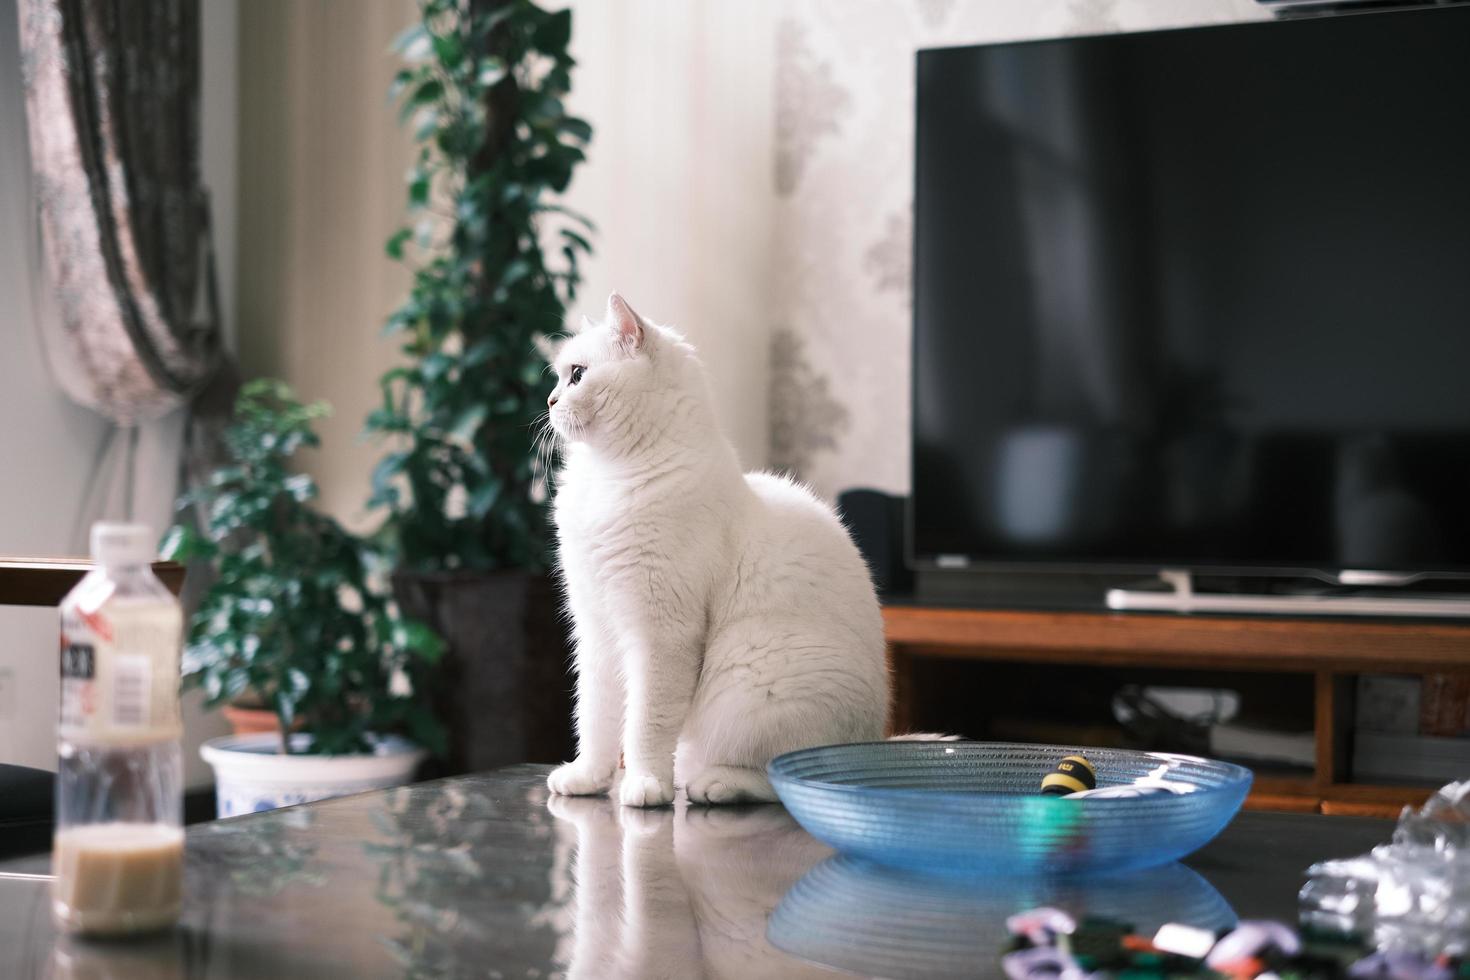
(547, 446)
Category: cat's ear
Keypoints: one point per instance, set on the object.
(584, 324)
(545, 346)
(626, 324)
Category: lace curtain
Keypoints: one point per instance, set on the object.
(126, 303)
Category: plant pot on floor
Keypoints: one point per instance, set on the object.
(505, 690)
(252, 774)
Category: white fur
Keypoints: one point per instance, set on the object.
(720, 618)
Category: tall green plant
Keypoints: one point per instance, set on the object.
(484, 88)
(296, 616)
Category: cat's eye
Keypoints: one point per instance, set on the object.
(576, 375)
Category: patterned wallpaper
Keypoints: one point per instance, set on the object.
(839, 399)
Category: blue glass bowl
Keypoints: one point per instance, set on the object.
(976, 807)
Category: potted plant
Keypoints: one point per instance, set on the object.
(464, 494)
(298, 618)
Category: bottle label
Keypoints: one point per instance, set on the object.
(78, 670)
(120, 672)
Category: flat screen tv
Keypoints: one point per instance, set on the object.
(1196, 299)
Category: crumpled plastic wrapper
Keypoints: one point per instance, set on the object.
(1411, 894)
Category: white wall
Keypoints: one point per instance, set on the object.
(321, 162)
(47, 444)
(680, 96)
(220, 129)
(681, 101)
(219, 125)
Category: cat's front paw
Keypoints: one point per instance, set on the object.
(579, 779)
(641, 788)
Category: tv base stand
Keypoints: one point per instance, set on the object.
(1182, 598)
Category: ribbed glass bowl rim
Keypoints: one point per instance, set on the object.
(1235, 776)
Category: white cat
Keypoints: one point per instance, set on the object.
(720, 618)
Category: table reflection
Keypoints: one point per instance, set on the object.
(474, 881)
(682, 892)
(871, 920)
(484, 877)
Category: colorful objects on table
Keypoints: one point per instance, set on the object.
(1041, 926)
(1253, 942)
(1191, 942)
(1074, 774)
(1047, 943)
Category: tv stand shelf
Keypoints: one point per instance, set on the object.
(1332, 651)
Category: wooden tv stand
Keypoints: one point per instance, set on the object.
(1331, 651)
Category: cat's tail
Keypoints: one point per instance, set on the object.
(923, 737)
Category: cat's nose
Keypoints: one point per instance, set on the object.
(551, 400)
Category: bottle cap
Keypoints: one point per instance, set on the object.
(123, 544)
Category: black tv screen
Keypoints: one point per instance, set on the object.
(1196, 298)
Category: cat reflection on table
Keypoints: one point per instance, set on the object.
(683, 892)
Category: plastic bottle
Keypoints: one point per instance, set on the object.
(119, 847)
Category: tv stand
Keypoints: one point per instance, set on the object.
(1331, 652)
(1181, 597)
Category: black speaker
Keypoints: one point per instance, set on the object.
(875, 520)
(27, 809)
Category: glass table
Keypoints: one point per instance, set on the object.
(483, 876)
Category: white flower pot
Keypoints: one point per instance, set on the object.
(251, 773)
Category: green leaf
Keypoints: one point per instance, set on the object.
(479, 352)
(418, 192)
(578, 128)
(483, 498)
(553, 33)
(387, 420)
(400, 82)
(413, 43)
(236, 684)
(499, 16)
(416, 638)
(428, 122)
(582, 243)
(436, 365)
(301, 487)
(180, 544)
(515, 271)
(429, 92)
(384, 474)
(468, 422)
(492, 70)
(412, 34)
(394, 248)
(448, 50)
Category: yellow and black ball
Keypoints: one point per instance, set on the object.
(1072, 775)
